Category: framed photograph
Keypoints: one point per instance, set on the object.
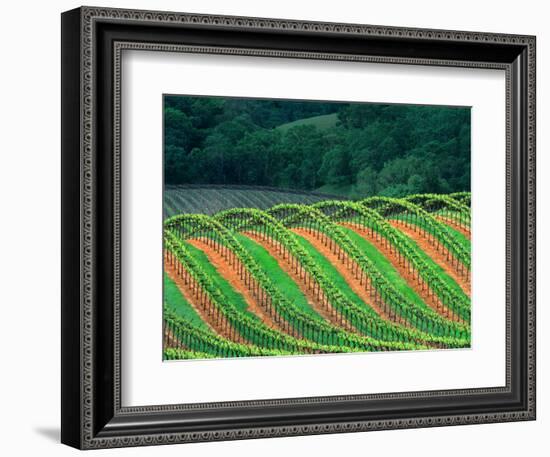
(273, 227)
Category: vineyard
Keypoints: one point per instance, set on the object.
(290, 274)
(211, 199)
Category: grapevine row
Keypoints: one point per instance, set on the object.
(370, 323)
(321, 337)
(459, 212)
(399, 243)
(181, 335)
(424, 319)
(462, 197)
(436, 233)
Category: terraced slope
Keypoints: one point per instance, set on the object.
(325, 277)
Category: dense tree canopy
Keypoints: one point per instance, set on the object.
(354, 149)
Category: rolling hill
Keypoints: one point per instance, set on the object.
(329, 276)
(214, 198)
(324, 121)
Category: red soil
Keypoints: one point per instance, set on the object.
(453, 224)
(169, 339)
(438, 256)
(407, 273)
(218, 323)
(341, 264)
(231, 275)
(315, 297)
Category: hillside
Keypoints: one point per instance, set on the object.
(324, 121)
(372, 148)
(212, 199)
(381, 274)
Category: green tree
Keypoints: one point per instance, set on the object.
(335, 168)
(366, 183)
(374, 148)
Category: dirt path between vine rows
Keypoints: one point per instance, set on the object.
(220, 325)
(320, 305)
(453, 224)
(233, 277)
(440, 257)
(421, 288)
(170, 340)
(353, 282)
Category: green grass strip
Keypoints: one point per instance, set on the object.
(334, 275)
(185, 354)
(280, 279)
(439, 270)
(220, 282)
(386, 268)
(459, 237)
(176, 301)
(451, 232)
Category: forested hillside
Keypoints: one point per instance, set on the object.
(370, 149)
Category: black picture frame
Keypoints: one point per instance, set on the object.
(92, 415)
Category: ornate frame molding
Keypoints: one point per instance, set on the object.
(84, 22)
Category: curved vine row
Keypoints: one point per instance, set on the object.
(185, 336)
(462, 197)
(385, 316)
(320, 337)
(458, 212)
(446, 333)
(396, 240)
(425, 320)
(428, 223)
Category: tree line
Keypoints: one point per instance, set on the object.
(353, 149)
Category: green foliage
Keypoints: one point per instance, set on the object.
(423, 319)
(199, 341)
(280, 279)
(330, 271)
(411, 213)
(231, 295)
(175, 300)
(367, 149)
(301, 329)
(243, 324)
(385, 267)
(336, 169)
(462, 197)
(184, 354)
(445, 332)
(324, 121)
(446, 289)
(324, 335)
